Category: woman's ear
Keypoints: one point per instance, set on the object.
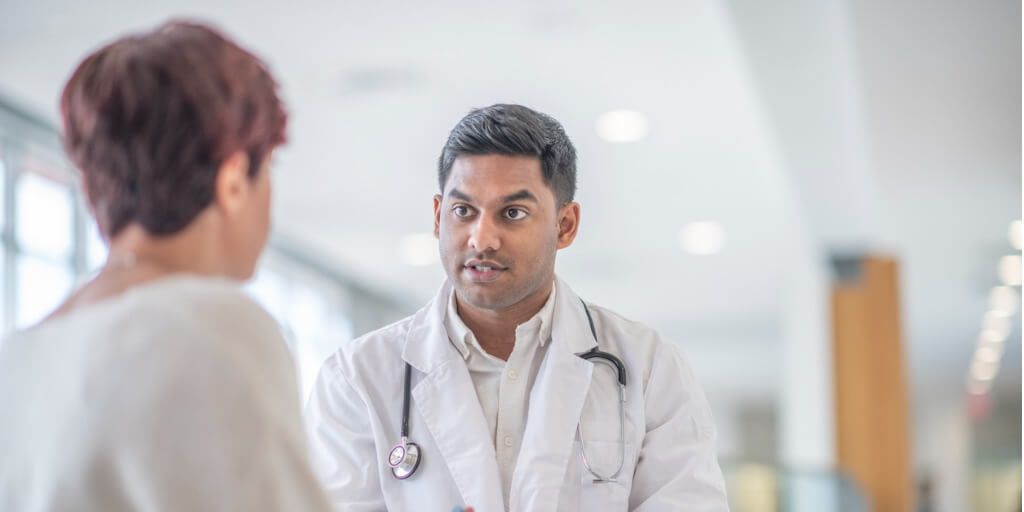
(232, 184)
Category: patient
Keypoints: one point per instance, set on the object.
(159, 385)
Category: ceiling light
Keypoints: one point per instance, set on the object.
(1009, 270)
(702, 238)
(996, 322)
(978, 387)
(622, 126)
(989, 353)
(419, 249)
(991, 337)
(1003, 299)
(982, 370)
(1016, 234)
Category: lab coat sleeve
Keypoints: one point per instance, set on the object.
(677, 468)
(344, 455)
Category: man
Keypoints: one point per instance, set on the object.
(508, 408)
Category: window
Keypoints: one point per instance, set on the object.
(3, 185)
(44, 217)
(95, 247)
(313, 314)
(42, 286)
(44, 241)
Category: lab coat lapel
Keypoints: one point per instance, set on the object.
(446, 400)
(556, 402)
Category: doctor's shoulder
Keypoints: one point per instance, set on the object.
(641, 346)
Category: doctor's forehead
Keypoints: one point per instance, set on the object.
(489, 177)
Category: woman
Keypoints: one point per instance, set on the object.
(160, 385)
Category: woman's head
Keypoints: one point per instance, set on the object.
(173, 125)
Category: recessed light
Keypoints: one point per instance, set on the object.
(997, 323)
(989, 353)
(978, 387)
(1009, 270)
(991, 338)
(983, 370)
(1003, 299)
(702, 238)
(622, 126)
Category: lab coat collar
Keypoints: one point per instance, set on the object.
(569, 326)
(427, 343)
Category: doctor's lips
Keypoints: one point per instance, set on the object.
(483, 271)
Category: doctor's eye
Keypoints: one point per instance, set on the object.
(461, 210)
(515, 213)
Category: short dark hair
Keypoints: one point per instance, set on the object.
(149, 119)
(514, 130)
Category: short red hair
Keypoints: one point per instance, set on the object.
(149, 119)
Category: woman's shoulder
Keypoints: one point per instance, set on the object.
(183, 316)
(217, 313)
(208, 300)
(184, 340)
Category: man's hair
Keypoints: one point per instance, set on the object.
(150, 118)
(514, 130)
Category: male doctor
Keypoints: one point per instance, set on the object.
(503, 412)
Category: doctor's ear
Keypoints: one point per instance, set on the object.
(437, 215)
(568, 224)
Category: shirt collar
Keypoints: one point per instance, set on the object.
(463, 339)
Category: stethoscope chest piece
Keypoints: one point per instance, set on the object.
(404, 459)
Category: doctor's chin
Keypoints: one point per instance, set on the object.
(656, 257)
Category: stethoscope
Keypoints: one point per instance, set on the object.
(405, 457)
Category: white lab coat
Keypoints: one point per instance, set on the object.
(355, 410)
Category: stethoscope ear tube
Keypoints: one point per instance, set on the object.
(596, 352)
(614, 362)
(404, 431)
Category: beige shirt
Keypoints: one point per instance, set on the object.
(178, 394)
(503, 387)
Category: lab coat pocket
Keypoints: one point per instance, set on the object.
(603, 458)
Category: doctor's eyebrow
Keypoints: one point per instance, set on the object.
(460, 195)
(522, 195)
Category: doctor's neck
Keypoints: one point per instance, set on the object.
(495, 329)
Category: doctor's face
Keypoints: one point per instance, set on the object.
(499, 229)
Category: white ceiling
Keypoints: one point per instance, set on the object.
(374, 88)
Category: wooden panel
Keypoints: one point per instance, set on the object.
(872, 408)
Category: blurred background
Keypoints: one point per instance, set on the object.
(819, 201)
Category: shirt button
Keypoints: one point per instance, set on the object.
(508, 441)
(512, 374)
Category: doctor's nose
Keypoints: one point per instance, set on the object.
(484, 236)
